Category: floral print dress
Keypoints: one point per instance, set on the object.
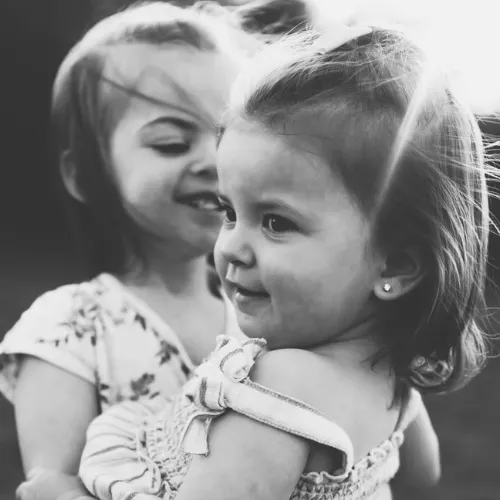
(99, 331)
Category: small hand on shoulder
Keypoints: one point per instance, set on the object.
(52, 485)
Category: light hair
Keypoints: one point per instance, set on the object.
(412, 157)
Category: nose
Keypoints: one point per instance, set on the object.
(204, 166)
(233, 247)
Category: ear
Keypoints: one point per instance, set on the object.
(402, 272)
(67, 169)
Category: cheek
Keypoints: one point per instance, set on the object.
(140, 182)
(298, 275)
(219, 259)
(124, 161)
(141, 193)
(288, 276)
(144, 179)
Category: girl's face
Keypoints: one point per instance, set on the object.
(294, 252)
(162, 150)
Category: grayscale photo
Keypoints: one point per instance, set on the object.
(250, 250)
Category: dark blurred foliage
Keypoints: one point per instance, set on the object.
(35, 35)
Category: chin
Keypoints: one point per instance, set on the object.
(253, 331)
(248, 328)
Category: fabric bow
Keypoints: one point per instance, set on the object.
(229, 363)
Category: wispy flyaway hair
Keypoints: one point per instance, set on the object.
(412, 157)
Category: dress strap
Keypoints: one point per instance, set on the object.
(290, 415)
(222, 382)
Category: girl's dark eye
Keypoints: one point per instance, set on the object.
(278, 224)
(229, 213)
(171, 149)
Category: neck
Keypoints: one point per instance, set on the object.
(176, 276)
(358, 344)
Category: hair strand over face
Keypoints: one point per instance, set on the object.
(83, 118)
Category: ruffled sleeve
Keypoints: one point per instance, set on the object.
(139, 450)
(61, 328)
(223, 382)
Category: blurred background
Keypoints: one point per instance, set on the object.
(36, 252)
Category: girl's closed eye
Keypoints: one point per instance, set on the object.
(278, 224)
(173, 148)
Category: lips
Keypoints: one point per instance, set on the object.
(248, 300)
(246, 292)
(205, 201)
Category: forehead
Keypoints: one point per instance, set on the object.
(254, 160)
(170, 76)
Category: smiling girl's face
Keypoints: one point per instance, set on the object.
(294, 253)
(162, 149)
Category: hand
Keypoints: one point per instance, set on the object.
(44, 484)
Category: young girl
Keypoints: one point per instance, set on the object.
(353, 249)
(134, 107)
(143, 88)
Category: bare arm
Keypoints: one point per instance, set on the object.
(249, 460)
(420, 459)
(53, 409)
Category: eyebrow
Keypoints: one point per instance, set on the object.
(268, 205)
(178, 122)
(274, 204)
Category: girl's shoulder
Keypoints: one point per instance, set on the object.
(302, 374)
(87, 299)
(94, 330)
(65, 319)
(359, 401)
(58, 328)
(290, 371)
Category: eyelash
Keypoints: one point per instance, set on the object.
(224, 208)
(290, 226)
(172, 149)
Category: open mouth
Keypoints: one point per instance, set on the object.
(250, 294)
(205, 201)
